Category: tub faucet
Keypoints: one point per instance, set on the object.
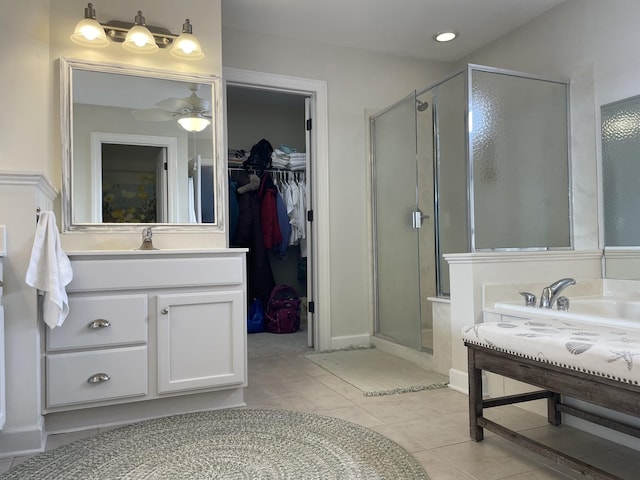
(550, 293)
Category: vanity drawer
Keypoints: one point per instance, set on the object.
(68, 375)
(126, 315)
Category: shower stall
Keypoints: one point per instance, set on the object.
(476, 162)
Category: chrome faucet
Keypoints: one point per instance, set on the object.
(550, 293)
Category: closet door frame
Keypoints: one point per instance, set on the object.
(317, 181)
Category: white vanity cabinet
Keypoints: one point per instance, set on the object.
(196, 332)
(146, 325)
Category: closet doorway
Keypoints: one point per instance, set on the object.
(284, 118)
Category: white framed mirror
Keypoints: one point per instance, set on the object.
(128, 157)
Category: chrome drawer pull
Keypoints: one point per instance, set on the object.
(99, 323)
(98, 378)
(164, 311)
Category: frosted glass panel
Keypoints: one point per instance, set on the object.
(621, 171)
(451, 170)
(520, 162)
(398, 287)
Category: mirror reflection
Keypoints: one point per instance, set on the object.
(141, 147)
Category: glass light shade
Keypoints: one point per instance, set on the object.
(89, 32)
(187, 46)
(140, 40)
(194, 123)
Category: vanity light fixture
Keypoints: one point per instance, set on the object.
(444, 36)
(137, 36)
(88, 31)
(194, 122)
(187, 45)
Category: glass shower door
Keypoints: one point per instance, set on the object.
(396, 244)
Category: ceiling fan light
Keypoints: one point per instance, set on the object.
(88, 31)
(187, 46)
(139, 38)
(194, 123)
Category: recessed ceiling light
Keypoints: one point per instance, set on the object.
(445, 36)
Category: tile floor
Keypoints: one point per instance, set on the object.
(431, 424)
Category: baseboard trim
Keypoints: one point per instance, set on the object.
(350, 341)
(23, 441)
(123, 414)
(459, 381)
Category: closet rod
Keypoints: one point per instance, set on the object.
(270, 169)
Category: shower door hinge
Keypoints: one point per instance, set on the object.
(311, 306)
(416, 219)
(165, 166)
(308, 124)
(309, 215)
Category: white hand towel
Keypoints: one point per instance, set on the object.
(50, 270)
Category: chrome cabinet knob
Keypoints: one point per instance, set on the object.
(164, 311)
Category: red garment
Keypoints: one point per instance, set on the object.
(271, 234)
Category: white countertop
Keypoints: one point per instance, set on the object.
(159, 252)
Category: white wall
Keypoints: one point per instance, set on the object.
(357, 81)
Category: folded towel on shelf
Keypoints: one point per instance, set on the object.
(50, 270)
(279, 163)
(279, 154)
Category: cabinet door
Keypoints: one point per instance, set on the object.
(201, 340)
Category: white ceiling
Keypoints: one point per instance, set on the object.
(399, 27)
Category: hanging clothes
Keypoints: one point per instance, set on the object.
(271, 234)
(280, 249)
(260, 280)
(302, 209)
(234, 210)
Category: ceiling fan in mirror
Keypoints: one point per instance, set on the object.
(193, 113)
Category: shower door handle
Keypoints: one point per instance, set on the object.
(416, 219)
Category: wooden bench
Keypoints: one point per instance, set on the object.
(556, 379)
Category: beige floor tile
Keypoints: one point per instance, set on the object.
(445, 401)
(438, 468)
(540, 474)
(353, 414)
(389, 412)
(435, 431)
(491, 459)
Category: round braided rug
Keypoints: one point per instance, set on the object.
(228, 444)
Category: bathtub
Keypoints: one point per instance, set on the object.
(619, 311)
